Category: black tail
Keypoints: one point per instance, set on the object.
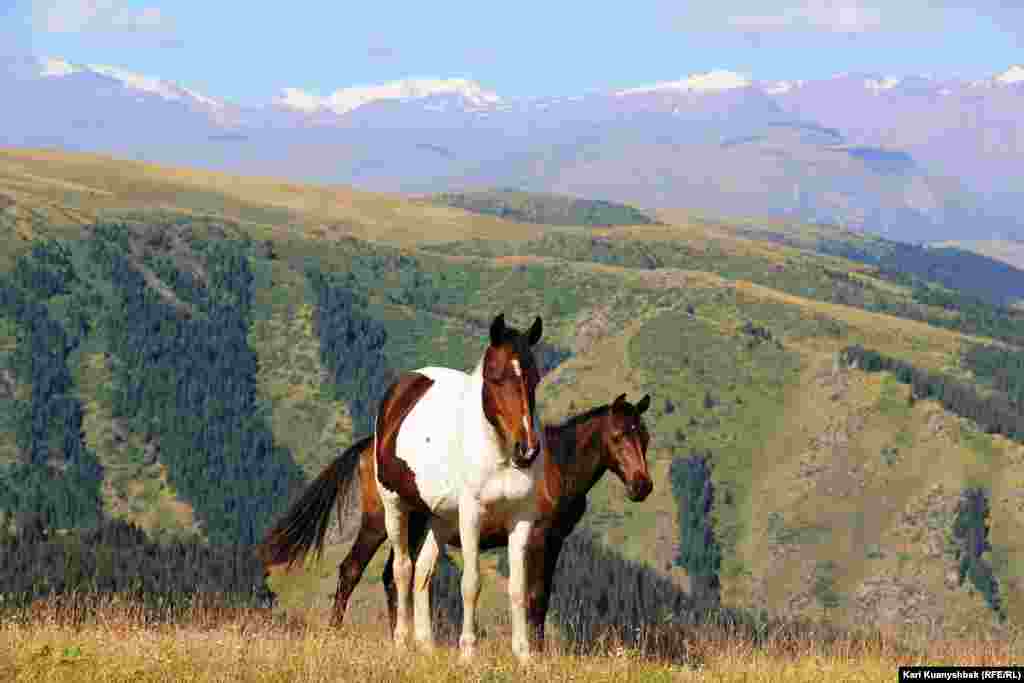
(305, 524)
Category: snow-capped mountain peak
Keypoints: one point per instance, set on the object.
(878, 85)
(347, 99)
(716, 80)
(1012, 76)
(149, 84)
(55, 67)
(293, 98)
(1015, 74)
(782, 87)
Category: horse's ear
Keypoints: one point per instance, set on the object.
(643, 405)
(498, 330)
(619, 403)
(535, 331)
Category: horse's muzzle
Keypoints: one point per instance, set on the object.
(639, 490)
(523, 458)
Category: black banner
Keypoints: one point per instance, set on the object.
(961, 673)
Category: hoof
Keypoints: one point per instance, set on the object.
(467, 650)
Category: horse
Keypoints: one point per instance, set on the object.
(457, 446)
(580, 450)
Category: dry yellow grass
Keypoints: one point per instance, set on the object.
(97, 182)
(117, 641)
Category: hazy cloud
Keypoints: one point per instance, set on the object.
(817, 15)
(482, 55)
(757, 18)
(98, 16)
(381, 52)
(1008, 15)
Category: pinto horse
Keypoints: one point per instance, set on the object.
(581, 449)
(461, 447)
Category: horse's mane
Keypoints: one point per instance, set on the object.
(564, 448)
(575, 420)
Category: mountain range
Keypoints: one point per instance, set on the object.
(917, 158)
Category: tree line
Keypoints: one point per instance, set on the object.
(996, 414)
(56, 474)
(192, 382)
(1002, 367)
(116, 557)
(351, 346)
(544, 208)
(968, 275)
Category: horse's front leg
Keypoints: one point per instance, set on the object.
(424, 571)
(397, 522)
(469, 539)
(517, 540)
(536, 587)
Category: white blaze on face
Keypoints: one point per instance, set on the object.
(517, 368)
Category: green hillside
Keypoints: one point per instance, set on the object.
(194, 347)
(549, 209)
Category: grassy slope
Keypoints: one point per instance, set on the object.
(115, 642)
(788, 436)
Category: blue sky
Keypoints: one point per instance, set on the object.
(248, 52)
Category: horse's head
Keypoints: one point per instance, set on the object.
(510, 384)
(625, 443)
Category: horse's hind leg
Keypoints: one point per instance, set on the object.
(417, 530)
(537, 591)
(424, 571)
(388, 579)
(397, 522)
(351, 569)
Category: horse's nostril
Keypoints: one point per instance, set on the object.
(642, 488)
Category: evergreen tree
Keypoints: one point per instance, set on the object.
(971, 529)
(699, 551)
(824, 588)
